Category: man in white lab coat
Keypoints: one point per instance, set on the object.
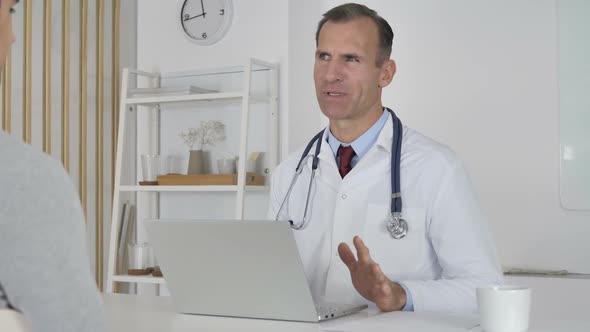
(448, 250)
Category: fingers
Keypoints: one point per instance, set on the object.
(361, 250)
(347, 256)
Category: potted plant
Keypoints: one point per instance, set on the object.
(208, 133)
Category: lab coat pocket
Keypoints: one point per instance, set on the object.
(396, 256)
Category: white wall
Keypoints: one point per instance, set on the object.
(305, 120)
(259, 30)
(574, 103)
(478, 76)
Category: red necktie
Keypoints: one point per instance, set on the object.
(345, 154)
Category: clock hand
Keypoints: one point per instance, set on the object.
(203, 9)
(190, 18)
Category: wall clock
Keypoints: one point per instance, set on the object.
(205, 22)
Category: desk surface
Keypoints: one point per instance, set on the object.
(150, 313)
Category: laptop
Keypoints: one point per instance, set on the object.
(237, 268)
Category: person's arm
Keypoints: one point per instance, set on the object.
(368, 279)
(409, 306)
(464, 247)
(44, 265)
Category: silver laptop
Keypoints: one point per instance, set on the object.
(236, 268)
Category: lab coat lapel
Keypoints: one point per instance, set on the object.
(328, 170)
(375, 163)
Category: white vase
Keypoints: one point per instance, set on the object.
(196, 162)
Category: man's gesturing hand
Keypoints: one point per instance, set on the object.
(369, 280)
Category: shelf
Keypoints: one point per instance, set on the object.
(149, 279)
(193, 97)
(237, 91)
(191, 188)
(257, 66)
(185, 90)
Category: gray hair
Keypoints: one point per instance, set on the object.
(350, 11)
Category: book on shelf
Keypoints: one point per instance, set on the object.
(126, 234)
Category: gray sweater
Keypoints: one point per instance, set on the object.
(44, 266)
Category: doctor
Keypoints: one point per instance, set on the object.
(441, 250)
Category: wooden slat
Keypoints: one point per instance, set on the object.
(47, 76)
(83, 108)
(6, 93)
(27, 68)
(65, 85)
(99, 139)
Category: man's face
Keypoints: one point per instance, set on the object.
(6, 34)
(347, 78)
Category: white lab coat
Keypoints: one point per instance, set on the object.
(448, 250)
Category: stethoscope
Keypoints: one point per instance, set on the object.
(396, 225)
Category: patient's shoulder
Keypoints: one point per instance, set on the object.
(31, 180)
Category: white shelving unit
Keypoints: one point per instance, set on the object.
(147, 142)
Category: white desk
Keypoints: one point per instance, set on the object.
(128, 313)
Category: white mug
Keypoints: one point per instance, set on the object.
(138, 256)
(504, 308)
(150, 167)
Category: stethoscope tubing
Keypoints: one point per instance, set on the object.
(396, 199)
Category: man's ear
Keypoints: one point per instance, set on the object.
(387, 72)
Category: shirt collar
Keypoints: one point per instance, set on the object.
(363, 143)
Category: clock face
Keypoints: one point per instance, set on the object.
(206, 21)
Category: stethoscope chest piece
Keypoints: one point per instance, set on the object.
(397, 227)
